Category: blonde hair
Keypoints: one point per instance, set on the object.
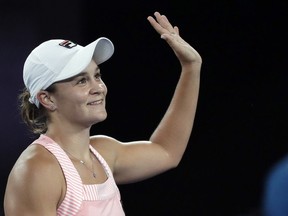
(35, 118)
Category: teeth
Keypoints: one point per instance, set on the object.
(96, 102)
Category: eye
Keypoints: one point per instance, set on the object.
(98, 76)
(82, 81)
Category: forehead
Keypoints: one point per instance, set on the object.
(89, 70)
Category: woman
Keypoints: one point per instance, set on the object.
(68, 172)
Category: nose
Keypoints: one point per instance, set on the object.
(98, 88)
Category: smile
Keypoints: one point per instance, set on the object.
(96, 102)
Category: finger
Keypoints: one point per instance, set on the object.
(164, 22)
(176, 30)
(155, 25)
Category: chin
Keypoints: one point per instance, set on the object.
(96, 121)
(101, 117)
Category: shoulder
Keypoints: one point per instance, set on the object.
(108, 147)
(36, 174)
(102, 142)
(96, 138)
(276, 189)
(279, 171)
(36, 158)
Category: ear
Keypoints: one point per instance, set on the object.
(45, 99)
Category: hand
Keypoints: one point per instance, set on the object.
(184, 52)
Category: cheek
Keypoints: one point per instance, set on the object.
(79, 97)
(72, 98)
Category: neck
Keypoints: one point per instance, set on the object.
(76, 142)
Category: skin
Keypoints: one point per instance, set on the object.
(36, 185)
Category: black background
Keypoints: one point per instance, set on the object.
(241, 120)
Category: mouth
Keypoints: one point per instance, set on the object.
(97, 102)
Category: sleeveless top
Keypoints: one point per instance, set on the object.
(80, 199)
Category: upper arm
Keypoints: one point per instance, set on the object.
(133, 161)
(34, 186)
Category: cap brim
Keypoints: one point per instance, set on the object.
(100, 51)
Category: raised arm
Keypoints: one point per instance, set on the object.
(173, 132)
(142, 159)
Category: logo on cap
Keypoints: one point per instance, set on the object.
(68, 44)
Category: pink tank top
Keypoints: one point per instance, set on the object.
(80, 199)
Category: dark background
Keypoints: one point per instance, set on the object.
(241, 120)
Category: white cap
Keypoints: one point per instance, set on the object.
(57, 59)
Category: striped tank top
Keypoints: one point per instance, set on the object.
(84, 200)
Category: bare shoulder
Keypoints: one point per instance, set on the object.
(36, 177)
(108, 147)
(34, 163)
(103, 140)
